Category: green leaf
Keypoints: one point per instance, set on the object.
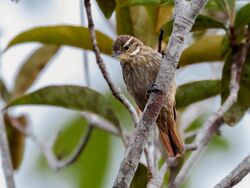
(73, 36)
(242, 17)
(124, 23)
(196, 91)
(226, 5)
(219, 143)
(4, 92)
(70, 97)
(202, 22)
(144, 24)
(237, 111)
(197, 122)
(206, 49)
(107, 7)
(90, 169)
(128, 3)
(140, 179)
(32, 68)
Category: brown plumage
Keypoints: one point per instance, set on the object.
(140, 65)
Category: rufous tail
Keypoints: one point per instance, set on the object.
(169, 133)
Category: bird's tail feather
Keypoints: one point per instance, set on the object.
(169, 134)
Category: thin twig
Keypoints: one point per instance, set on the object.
(5, 157)
(47, 149)
(240, 171)
(185, 17)
(213, 123)
(85, 58)
(115, 91)
(101, 123)
(160, 41)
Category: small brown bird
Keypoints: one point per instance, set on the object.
(140, 65)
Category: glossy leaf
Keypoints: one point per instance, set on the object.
(107, 7)
(242, 17)
(140, 179)
(201, 23)
(124, 23)
(196, 91)
(70, 97)
(206, 49)
(127, 3)
(32, 68)
(73, 36)
(234, 115)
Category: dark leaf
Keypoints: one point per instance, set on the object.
(242, 17)
(16, 139)
(206, 49)
(107, 7)
(128, 3)
(4, 92)
(70, 97)
(201, 23)
(234, 115)
(196, 91)
(32, 68)
(140, 179)
(73, 36)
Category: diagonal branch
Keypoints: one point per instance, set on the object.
(216, 120)
(115, 91)
(240, 171)
(185, 17)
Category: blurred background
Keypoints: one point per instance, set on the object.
(99, 163)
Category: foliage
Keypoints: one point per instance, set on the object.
(143, 19)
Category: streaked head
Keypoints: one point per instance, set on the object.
(126, 46)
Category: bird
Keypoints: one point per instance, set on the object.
(140, 65)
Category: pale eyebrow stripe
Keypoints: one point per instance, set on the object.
(128, 42)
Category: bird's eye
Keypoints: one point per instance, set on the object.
(126, 47)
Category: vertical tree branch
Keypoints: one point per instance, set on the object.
(240, 171)
(5, 156)
(185, 16)
(115, 91)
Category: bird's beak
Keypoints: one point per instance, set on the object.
(116, 54)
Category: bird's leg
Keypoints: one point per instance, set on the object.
(153, 89)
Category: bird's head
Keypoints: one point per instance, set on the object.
(126, 46)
